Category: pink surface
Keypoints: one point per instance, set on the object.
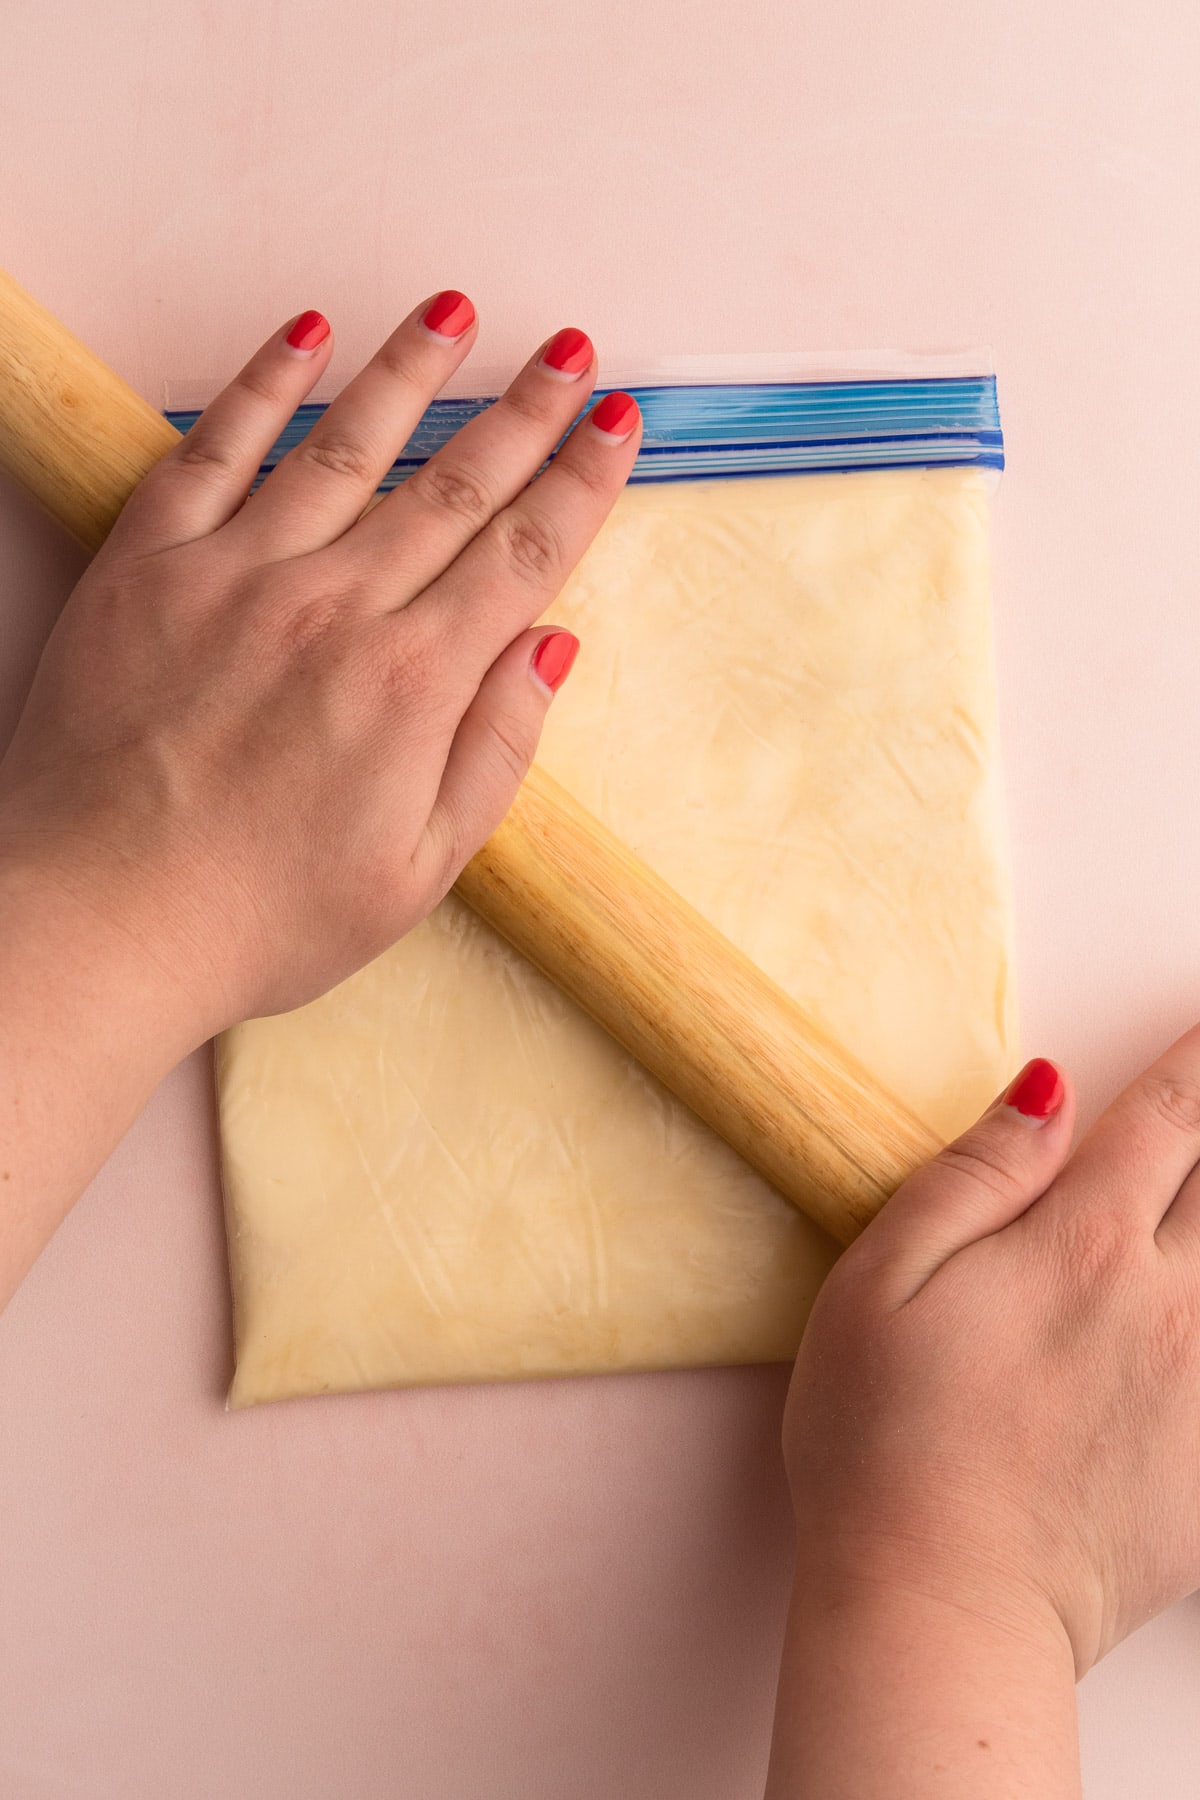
(578, 1588)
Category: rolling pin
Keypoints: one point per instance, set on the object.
(552, 880)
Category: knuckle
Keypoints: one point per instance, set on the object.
(532, 406)
(209, 455)
(407, 673)
(1094, 1244)
(454, 489)
(414, 663)
(259, 386)
(529, 545)
(586, 473)
(340, 455)
(396, 361)
(979, 1160)
(511, 743)
(1175, 1100)
(310, 624)
(1174, 1343)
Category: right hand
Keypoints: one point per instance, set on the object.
(996, 1406)
(268, 731)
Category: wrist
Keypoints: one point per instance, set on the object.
(80, 921)
(90, 1022)
(983, 1556)
(890, 1686)
(979, 1579)
(955, 1600)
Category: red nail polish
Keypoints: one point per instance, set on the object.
(310, 329)
(616, 415)
(1038, 1090)
(554, 658)
(569, 352)
(449, 314)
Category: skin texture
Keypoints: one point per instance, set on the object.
(267, 731)
(993, 1443)
(265, 736)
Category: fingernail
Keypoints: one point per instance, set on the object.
(554, 659)
(615, 416)
(310, 329)
(568, 353)
(1038, 1091)
(448, 314)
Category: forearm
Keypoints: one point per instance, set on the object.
(893, 1695)
(89, 1023)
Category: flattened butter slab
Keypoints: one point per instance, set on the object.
(443, 1171)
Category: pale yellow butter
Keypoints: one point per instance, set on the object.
(443, 1171)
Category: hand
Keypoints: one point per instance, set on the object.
(996, 1406)
(269, 730)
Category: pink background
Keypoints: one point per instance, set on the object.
(578, 1588)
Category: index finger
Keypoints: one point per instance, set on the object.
(204, 479)
(1139, 1153)
(511, 571)
(423, 524)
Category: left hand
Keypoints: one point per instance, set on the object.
(269, 730)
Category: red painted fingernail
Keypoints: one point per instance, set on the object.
(554, 658)
(310, 329)
(1038, 1091)
(616, 415)
(449, 314)
(569, 352)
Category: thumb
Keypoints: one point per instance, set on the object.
(981, 1182)
(494, 746)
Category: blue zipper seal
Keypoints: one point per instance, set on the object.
(705, 432)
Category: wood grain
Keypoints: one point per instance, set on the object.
(71, 431)
(552, 880)
(693, 1009)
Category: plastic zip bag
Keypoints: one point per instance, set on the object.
(745, 417)
(442, 1170)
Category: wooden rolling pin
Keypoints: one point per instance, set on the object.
(553, 881)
